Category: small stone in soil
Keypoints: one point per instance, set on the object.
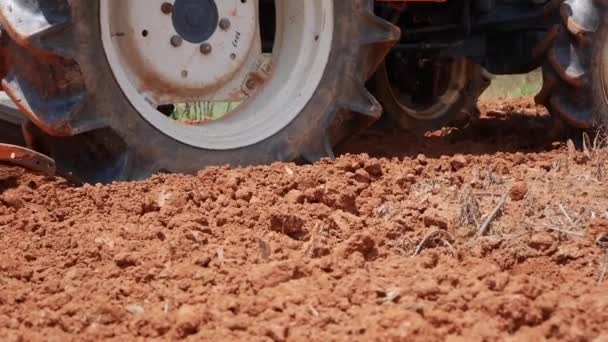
(135, 309)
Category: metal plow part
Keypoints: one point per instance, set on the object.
(21, 156)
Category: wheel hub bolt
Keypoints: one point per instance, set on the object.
(176, 41)
(225, 24)
(251, 84)
(206, 48)
(167, 8)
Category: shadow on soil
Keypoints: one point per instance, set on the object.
(497, 131)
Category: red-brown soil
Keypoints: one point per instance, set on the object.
(383, 246)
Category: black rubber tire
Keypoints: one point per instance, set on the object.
(96, 119)
(461, 110)
(574, 84)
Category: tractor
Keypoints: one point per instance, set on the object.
(119, 90)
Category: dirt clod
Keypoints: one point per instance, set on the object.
(519, 191)
(458, 162)
(187, 321)
(277, 333)
(363, 176)
(541, 241)
(434, 218)
(13, 198)
(361, 243)
(124, 260)
(374, 168)
(295, 196)
(244, 194)
(289, 225)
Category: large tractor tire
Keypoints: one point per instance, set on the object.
(426, 100)
(98, 79)
(575, 72)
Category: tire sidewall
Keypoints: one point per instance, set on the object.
(599, 85)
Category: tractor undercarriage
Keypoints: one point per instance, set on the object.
(502, 36)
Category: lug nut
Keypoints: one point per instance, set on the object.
(166, 8)
(206, 48)
(176, 41)
(251, 84)
(225, 24)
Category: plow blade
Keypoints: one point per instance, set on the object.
(27, 158)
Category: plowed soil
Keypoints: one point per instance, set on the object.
(491, 232)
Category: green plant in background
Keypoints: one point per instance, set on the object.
(209, 111)
(512, 86)
(202, 111)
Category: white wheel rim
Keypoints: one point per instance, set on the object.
(304, 36)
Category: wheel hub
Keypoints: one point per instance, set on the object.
(182, 51)
(195, 20)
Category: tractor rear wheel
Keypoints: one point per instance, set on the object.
(575, 72)
(421, 95)
(118, 90)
